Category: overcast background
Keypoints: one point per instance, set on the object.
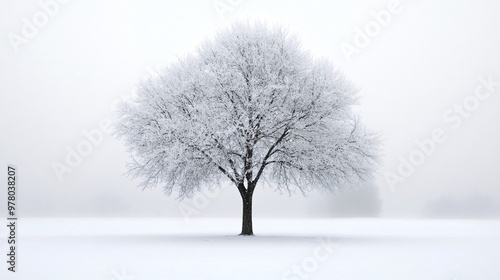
(66, 79)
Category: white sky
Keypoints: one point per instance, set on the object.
(64, 80)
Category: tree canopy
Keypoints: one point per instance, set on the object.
(249, 104)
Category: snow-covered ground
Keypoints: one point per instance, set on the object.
(164, 249)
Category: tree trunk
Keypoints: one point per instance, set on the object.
(247, 227)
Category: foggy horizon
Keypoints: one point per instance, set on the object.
(429, 72)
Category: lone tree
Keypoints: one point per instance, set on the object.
(249, 105)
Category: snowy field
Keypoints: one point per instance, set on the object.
(343, 249)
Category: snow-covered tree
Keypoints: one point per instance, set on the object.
(249, 106)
